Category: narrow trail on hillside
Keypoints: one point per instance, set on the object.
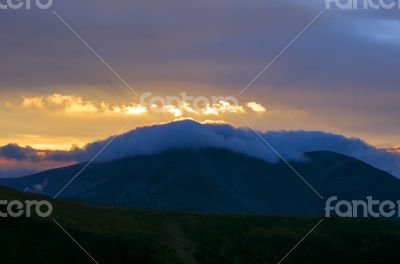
(180, 243)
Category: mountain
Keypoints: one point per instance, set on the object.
(216, 181)
(119, 236)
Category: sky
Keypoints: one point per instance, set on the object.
(340, 76)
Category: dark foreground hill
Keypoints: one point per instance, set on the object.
(217, 181)
(147, 237)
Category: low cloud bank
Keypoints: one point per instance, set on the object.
(190, 134)
(17, 153)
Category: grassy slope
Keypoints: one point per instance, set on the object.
(137, 236)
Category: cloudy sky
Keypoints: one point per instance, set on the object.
(340, 76)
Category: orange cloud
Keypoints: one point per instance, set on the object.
(76, 104)
(36, 102)
(72, 103)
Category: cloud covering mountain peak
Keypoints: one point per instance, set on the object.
(190, 134)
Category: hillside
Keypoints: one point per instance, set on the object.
(143, 236)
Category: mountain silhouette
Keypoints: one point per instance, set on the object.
(216, 181)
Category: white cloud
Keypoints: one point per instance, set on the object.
(256, 107)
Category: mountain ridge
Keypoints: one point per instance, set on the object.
(216, 181)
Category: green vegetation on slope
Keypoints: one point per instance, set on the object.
(139, 236)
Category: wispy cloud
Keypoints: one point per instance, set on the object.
(394, 149)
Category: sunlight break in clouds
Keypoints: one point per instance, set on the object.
(76, 104)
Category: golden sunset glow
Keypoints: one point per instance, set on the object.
(58, 121)
(394, 149)
(61, 91)
(76, 104)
